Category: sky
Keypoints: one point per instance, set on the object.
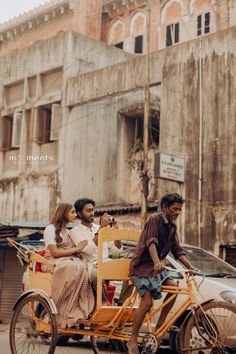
(12, 8)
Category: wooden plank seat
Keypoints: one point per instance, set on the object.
(40, 280)
(114, 269)
(37, 278)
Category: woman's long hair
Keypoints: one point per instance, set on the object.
(60, 219)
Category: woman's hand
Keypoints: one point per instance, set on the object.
(81, 245)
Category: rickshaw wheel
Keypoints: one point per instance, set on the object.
(24, 335)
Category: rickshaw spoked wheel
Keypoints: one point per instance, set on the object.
(24, 335)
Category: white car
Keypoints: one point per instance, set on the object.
(220, 277)
(218, 283)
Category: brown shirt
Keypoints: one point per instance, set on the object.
(163, 234)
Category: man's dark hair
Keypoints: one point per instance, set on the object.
(80, 203)
(171, 198)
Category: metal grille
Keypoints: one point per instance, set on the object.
(10, 277)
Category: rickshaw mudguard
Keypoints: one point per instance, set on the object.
(182, 328)
(38, 292)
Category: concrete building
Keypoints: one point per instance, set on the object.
(72, 110)
(71, 121)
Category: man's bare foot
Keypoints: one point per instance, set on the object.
(132, 347)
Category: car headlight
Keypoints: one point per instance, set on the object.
(229, 296)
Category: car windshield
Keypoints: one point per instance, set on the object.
(34, 245)
(211, 265)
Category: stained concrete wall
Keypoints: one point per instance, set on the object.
(177, 70)
(30, 190)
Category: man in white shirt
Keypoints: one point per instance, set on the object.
(87, 230)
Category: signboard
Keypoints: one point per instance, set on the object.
(169, 167)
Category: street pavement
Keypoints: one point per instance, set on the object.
(71, 348)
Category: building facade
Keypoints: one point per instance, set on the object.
(130, 24)
(72, 110)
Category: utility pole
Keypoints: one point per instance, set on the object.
(144, 173)
(200, 149)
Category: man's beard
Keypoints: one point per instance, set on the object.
(172, 219)
(87, 220)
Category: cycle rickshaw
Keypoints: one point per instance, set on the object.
(206, 328)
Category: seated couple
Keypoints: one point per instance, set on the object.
(74, 255)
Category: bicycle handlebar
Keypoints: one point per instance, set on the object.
(182, 270)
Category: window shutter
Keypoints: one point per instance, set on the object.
(56, 120)
(16, 130)
(168, 36)
(207, 22)
(199, 25)
(6, 131)
(176, 33)
(42, 120)
(35, 121)
(138, 45)
(38, 131)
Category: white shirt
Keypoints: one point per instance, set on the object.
(81, 232)
(49, 235)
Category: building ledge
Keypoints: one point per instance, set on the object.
(123, 209)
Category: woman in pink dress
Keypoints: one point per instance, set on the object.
(71, 289)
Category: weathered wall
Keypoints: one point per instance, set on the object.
(181, 107)
(38, 181)
(29, 190)
(178, 71)
(97, 144)
(32, 197)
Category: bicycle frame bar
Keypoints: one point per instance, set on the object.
(174, 290)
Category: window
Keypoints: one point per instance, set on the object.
(56, 119)
(10, 126)
(43, 125)
(119, 45)
(16, 130)
(203, 24)
(47, 123)
(172, 34)
(6, 133)
(138, 44)
(135, 126)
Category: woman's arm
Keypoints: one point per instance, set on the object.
(59, 252)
